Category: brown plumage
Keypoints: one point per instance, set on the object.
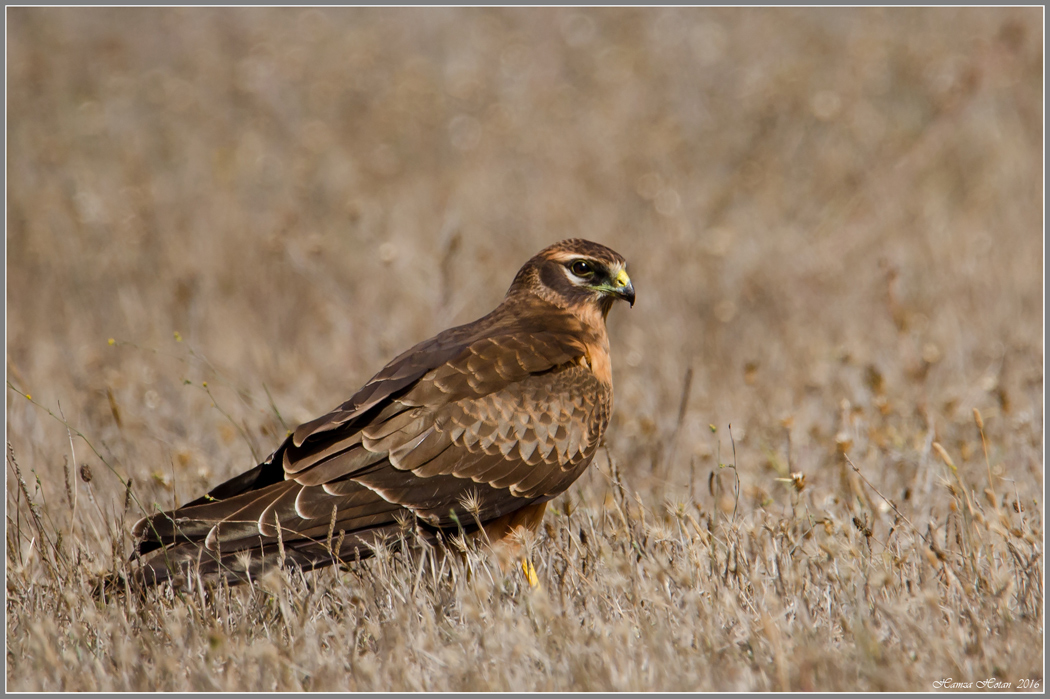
(485, 422)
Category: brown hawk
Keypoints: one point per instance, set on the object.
(482, 424)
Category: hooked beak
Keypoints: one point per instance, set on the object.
(623, 288)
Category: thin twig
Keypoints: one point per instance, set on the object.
(32, 511)
(687, 387)
(736, 501)
(979, 420)
(242, 430)
(888, 501)
(273, 406)
(73, 514)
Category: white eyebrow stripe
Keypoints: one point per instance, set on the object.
(564, 256)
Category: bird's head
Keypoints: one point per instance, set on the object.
(577, 273)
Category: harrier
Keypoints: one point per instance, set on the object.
(477, 427)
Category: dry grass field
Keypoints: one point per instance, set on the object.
(825, 466)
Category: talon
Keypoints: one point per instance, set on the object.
(530, 572)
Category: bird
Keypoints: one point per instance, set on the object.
(473, 430)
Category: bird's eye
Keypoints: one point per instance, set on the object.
(581, 269)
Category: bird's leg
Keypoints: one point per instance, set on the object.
(510, 535)
(530, 572)
(512, 550)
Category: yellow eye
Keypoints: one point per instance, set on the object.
(581, 269)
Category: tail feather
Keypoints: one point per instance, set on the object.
(242, 560)
(237, 555)
(255, 522)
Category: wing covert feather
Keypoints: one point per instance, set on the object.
(507, 421)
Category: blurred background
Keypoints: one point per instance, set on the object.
(833, 219)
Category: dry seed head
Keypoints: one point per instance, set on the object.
(944, 456)
(69, 486)
(978, 419)
(403, 518)
(244, 559)
(471, 502)
(798, 480)
(931, 353)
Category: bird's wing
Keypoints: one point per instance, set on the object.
(500, 423)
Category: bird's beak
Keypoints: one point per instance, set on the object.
(623, 288)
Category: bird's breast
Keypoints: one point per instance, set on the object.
(597, 361)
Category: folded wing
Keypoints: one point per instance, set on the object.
(500, 422)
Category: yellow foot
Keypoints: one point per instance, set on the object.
(530, 572)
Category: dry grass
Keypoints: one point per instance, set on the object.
(833, 220)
